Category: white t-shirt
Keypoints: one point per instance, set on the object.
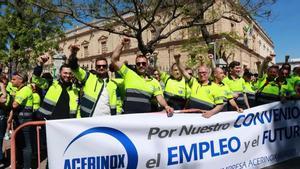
(102, 106)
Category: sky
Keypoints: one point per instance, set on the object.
(284, 28)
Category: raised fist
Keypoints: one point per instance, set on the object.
(74, 48)
(125, 41)
(177, 56)
(269, 58)
(43, 58)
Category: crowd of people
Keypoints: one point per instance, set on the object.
(80, 93)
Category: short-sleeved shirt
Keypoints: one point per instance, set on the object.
(176, 91)
(138, 91)
(268, 91)
(268, 87)
(25, 99)
(249, 88)
(36, 101)
(289, 89)
(204, 96)
(11, 89)
(175, 87)
(235, 85)
(226, 93)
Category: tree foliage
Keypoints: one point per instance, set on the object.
(27, 31)
(133, 18)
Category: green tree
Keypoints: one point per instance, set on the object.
(133, 18)
(26, 31)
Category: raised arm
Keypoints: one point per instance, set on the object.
(37, 71)
(213, 63)
(264, 65)
(115, 58)
(4, 94)
(73, 61)
(181, 68)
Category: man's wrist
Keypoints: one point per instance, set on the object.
(167, 106)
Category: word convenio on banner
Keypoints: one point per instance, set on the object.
(268, 116)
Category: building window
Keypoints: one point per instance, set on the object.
(92, 66)
(246, 41)
(104, 47)
(103, 44)
(127, 46)
(232, 27)
(85, 45)
(85, 51)
(153, 33)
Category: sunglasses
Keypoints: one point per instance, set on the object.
(141, 63)
(99, 66)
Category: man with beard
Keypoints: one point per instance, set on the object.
(139, 87)
(61, 99)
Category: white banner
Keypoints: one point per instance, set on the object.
(259, 137)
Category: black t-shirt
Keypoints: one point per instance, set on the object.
(62, 108)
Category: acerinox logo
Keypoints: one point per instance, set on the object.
(131, 151)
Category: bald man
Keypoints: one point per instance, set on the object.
(219, 75)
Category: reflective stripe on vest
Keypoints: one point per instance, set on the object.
(26, 112)
(52, 96)
(92, 93)
(47, 107)
(267, 98)
(200, 104)
(169, 95)
(134, 96)
(250, 96)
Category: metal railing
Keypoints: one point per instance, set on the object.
(13, 159)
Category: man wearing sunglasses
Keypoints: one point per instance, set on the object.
(95, 99)
(139, 87)
(110, 84)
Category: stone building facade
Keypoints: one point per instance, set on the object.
(255, 45)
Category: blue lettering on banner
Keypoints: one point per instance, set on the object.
(282, 133)
(104, 162)
(183, 154)
(98, 162)
(263, 117)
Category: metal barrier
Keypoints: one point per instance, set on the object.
(13, 159)
(38, 125)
